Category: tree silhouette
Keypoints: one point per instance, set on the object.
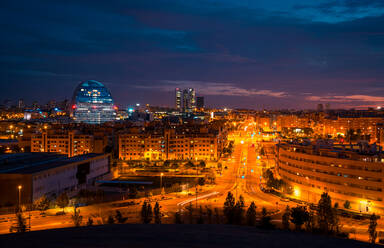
(42, 203)
(62, 200)
(251, 214)
(76, 217)
(229, 207)
(146, 212)
(285, 218)
(119, 217)
(299, 215)
(265, 220)
(326, 215)
(239, 211)
(372, 229)
(157, 213)
(190, 213)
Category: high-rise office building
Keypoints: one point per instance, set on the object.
(178, 99)
(189, 101)
(20, 104)
(200, 102)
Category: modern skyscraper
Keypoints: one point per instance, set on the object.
(20, 104)
(189, 101)
(92, 103)
(200, 102)
(178, 99)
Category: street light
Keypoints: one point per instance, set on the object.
(161, 179)
(19, 188)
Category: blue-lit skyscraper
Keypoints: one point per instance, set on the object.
(92, 103)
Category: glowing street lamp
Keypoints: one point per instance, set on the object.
(161, 179)
(19, 188)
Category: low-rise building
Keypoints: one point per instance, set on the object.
(33, 175)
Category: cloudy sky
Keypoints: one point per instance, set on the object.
(237, 53)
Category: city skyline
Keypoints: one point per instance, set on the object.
(237, 54)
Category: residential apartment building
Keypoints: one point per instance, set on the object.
(70, 143)
(171, 144)
(344, 173)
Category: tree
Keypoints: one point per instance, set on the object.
(119, 217)
(347, 204)
(62, 200)
(90, 221)
(190, 213)
(21, 223)
(325, 214)
(299, 215)
(310, 224)
(166, 163)
(251, 214)
(157, 213)
(146, 212)
(178, 219)
(202, 164)
(217, 215)
(229, 207)
(265, 219)
(201, 181)
(209, 214)
(76, 217)
(239, 211)
(200, 218)
(372, 229)
(110, 220)
(285, 218)
(42, 203)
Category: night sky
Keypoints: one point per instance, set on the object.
(237, 53)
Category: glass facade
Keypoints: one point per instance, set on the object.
(93, 103)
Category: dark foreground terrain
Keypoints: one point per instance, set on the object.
(155, 236)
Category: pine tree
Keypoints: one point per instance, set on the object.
(190, 213)
(265, 219)
(251, 214)
(217, 216)
(178, 219)
(325, 214)
(146, 212)
(209, 214)
(157, 213)
(229, 207)
(285, 218)
(200, 219)
(372, 229)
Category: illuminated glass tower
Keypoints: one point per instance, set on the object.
(92, 103)
(178, 98)
(189, 100)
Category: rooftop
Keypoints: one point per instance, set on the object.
(211, 236)
(29, 163)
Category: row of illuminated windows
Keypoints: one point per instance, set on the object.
(327, 180)
(369, 197)
(349, 166)
(372, 179)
